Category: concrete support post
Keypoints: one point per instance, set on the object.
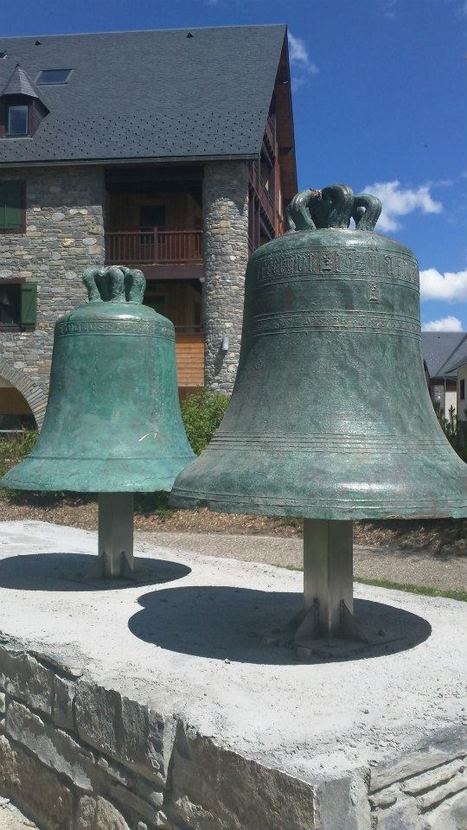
(115, 546)
(328, 575)
(225, 246)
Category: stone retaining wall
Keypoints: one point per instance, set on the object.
(77, 756)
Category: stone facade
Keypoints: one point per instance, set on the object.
(64, 235)
(225, 242)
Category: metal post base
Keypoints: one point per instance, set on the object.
(328, 585)
(115, 545)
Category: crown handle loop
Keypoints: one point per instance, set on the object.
(332, 207)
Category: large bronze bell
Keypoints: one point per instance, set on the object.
(330, 417)
(113, 422)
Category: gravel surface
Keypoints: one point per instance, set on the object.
(448, 573)
(431, 536)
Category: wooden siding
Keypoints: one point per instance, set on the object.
(123, 209)
(190, 360)
(180, 302)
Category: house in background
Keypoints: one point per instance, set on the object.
(169, 151)
(459, 367)
(442, 354)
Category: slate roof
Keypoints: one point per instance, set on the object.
(20, 84)
(151, 94)
(442, 352)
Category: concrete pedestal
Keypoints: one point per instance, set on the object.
(172, 706)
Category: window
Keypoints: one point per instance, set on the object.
(18, 304)
(462, 389)
(18, 119)
(10, 304)
(53, 76)
(12, 207)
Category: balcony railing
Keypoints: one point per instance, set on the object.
(155, 245)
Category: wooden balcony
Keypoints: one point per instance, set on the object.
(155, 246)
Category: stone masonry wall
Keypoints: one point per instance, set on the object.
(225, 243)
(64, 235)
(77, 756)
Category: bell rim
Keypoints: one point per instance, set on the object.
(338, 510)
(139, 476)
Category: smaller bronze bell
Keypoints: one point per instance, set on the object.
(113, 423)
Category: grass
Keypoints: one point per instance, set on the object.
(424, 590)
(414, 589)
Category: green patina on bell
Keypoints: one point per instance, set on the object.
(113, 421)
(330, 417)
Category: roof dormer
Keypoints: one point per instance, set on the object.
(21, 106)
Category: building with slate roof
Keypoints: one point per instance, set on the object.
(171, 151)
(444, 355)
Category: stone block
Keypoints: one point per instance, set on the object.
(403, 816)
(343, 804)
(440, 794)
(97, 714)
(449, 747)
(433, 778)
(54, 748)
(64, 695)
(34, 788)
(125, 730)
(24, 678)
(98, 814)
(212, 788)
(451, 815)
(134, 804)
(147, 738)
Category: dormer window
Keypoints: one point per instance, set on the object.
(21, 106)
(18, 119)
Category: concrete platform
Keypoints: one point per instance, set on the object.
(247, 736)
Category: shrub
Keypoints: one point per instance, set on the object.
(202, 412)
(13, 450)
(454, 432)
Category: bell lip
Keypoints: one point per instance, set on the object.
(335, 512)
(140, 475)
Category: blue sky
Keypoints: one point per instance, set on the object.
(379, 103)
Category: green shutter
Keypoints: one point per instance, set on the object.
(28, 304)
(11, 206)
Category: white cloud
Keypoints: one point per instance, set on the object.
(399, 201)
(444, 324)
(450, 286)
(300, 61)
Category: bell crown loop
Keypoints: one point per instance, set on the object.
(115, 284)
(332, 207)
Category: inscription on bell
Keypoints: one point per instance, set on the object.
(337, 263)
(373, 292)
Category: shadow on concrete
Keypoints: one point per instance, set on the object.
(249, 626)
(68, 572)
